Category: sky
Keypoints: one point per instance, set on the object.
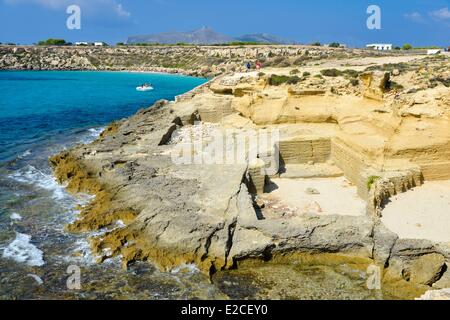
(418, 22)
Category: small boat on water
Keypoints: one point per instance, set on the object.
(145, 87)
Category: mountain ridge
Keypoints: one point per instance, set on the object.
(204, 35)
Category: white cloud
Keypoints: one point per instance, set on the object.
(414, 16)
(441, 14)
(121, 12)
(91, 7)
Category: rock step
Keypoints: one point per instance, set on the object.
(304, 149)
(320, 170)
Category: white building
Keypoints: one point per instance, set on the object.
(433, 51)
(100, 44)
(380, 46)
(82, 43)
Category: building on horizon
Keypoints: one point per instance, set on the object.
(83, 43)
(380, 46)
(433, 51)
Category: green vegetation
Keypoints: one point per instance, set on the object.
(351, 73)
(435, 81)
(285, 63)
(281, 62)
(371, 180)
(336, 73)
(293, 80)
(306, 74)
(334, 45)
(427, 47)
(354, 82)
(295, 71)
(391, 85)
(407, 46)
(389, 67)
(301, 60)
(277, 80)
(120, 44)
(53, 42)
(331, 72)
(316, 44)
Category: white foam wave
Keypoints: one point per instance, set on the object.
(93, 133)
(25, 154)
(96, 131)
(15, 216)
(22, 251)
(31, 175)
(185, 269)
(36, 278)
(82, 252)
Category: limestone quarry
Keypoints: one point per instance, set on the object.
(355, 136)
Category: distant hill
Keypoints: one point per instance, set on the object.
(263, 38)
(204, 35)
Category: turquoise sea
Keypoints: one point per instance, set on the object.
(35, 106)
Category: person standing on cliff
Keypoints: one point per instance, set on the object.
(248, 65)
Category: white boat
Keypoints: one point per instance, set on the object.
(144, 88)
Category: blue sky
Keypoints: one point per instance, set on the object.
(419, 22)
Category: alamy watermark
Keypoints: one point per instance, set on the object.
(374, 277)
(374, 20)
(73, 22)
(229, 147)
(74, 280)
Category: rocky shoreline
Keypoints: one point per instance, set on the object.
(203, 61)
(211, 215)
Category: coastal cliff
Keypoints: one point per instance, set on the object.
(381, 124)
(205, 61)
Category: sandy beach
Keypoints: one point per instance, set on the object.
(324, 196)
(421, 213)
